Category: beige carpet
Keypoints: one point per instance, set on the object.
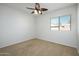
(37, 47)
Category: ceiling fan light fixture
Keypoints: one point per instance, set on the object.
(35, 12)
(37, 9)
(40, 12)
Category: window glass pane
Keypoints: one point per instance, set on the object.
(55, 23)
(65, 23)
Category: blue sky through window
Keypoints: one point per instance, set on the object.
(65, 20)
(55, 21)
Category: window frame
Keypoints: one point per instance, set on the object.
(59, 23)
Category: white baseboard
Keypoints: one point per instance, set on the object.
(12, 43)
(56, 42)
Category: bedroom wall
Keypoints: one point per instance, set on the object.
(66, 38)
(15, 26)
(78, 27)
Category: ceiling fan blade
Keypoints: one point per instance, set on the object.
(44, 9)
(30, 8)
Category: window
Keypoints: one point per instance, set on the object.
(65, 23)
(61, 23)
(54, 23)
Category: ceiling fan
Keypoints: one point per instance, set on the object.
(37, 9)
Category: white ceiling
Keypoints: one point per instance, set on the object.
(49, 6)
